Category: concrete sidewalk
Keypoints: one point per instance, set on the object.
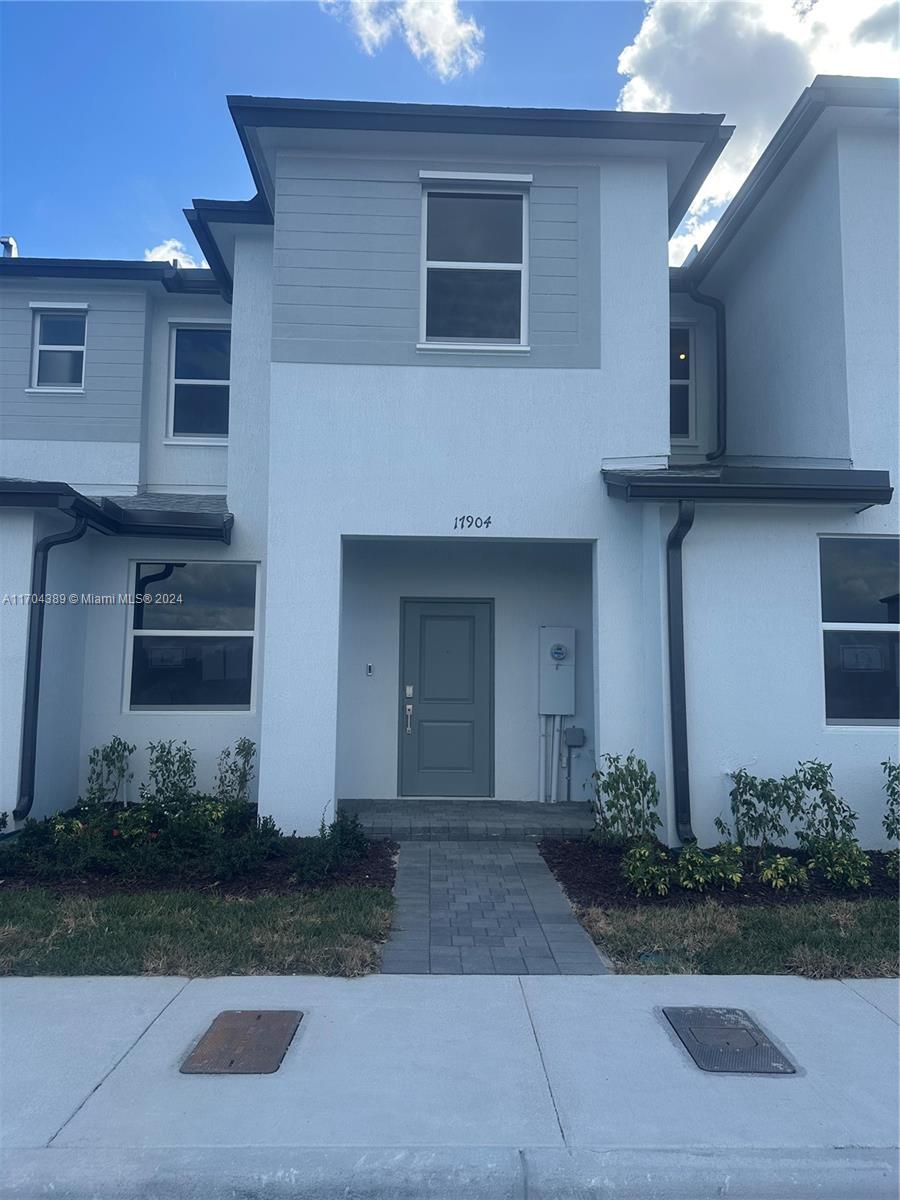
(441, 1087)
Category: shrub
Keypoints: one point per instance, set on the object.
(172, 771)
(891, 819)
(782, 871)
(892, 864)
(626, 799)
(234, 771)
(108, 771)
(648, 869)
(838, 860)
(337, 845)
(822, 814)
(760, 809)
(701, 869)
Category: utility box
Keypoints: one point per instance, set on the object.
(557, 671)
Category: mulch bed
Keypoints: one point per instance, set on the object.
(590, 875)
(375, 869)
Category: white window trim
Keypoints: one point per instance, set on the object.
(480, 347)
(131, 633)
(838, 723)
(193, 439)
(477, 176)
(690, 440)
(37, 311)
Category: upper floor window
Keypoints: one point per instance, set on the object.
(860, 629)
(200, 382)
(474, 287)
(681, 383)
(58, 351)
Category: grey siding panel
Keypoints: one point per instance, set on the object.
(347, 246)
(109, 407)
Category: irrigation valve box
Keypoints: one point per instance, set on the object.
(557, 671)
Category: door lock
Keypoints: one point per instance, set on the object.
(408, 711)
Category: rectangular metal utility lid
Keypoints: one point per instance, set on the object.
(727, 1039)
(244, 1042)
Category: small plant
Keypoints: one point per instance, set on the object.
(172, 771)
(839, 861)
(783, 871)
(626, 799)
(234, 771)
(822, 814)
(701, 869)
(337, 845)
(891, 819)
(108, 771)
(648, 869)
(760, 810)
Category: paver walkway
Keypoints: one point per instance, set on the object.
(483, 908)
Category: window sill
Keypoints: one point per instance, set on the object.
(195, 441)
(471, 348)
(54, 391)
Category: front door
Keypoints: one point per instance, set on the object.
(446, 698)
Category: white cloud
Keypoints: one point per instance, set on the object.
(173, 248)
(750, 59)
(435, 31)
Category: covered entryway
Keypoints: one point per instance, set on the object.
(446, 745)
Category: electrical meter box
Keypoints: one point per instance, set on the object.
(557, 671)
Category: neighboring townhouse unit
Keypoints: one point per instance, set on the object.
(444, 483)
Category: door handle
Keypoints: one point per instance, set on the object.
(408, 710)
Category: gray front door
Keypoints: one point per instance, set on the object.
(446, 698)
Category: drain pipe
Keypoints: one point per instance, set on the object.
(33, 663)
(721, 369)
(677, 697)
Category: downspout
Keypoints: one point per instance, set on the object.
(677, 698)
(721, 369)
(33, 663)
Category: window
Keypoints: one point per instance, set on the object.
(201, 369)
(860, 629)
(58, 358)
(681, 383)
(192, 648)
(475, 278)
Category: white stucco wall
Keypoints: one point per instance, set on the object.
(17, 537)
(531, 585)
(93, 468)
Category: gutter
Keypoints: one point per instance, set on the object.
(33, 661)
(721, 368)
(677, 693)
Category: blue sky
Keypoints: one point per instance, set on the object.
(121, 119)
(113, 114)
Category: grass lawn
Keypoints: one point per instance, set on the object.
(822, 939)
(332, 931)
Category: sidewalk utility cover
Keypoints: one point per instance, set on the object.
(726, 1039)
(243, 1042)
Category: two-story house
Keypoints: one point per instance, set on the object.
(441, 482)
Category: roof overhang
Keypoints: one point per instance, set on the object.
(740, 484)
(195, 281)
(216, 224)
(688, 143)
(109, 517)
(830, 102)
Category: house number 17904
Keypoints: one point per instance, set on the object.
(470, 522)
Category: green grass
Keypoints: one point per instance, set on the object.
(826, 939)
(335, 931)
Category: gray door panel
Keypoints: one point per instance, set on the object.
(446, 741)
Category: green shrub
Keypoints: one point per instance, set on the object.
(108, 771)
(891, 819)
(838, 860)
(337, 845)
(234, 771)
(173, 773)
(760, 810)
(626, 799)
(648, 869)
(782, 871)
(821, 813)
(892, 864)
(701, 869)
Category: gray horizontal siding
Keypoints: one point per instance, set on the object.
(347, 262)
(109, 408)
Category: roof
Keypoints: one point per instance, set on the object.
(215, 223)
(174, 279)
(730, 482)
(824, 93)
(690, 142)
(204, 518)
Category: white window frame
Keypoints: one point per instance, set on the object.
(691, 438)
(849, 627)
(39, 311)
(193, 439)
(131, 633)
(459, 183)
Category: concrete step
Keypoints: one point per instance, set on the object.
(469, 820)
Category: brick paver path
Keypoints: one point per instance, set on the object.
(483, 908)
